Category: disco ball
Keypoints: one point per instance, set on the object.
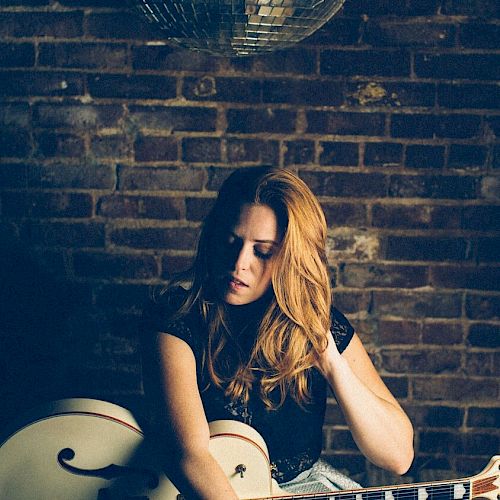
(237, 27)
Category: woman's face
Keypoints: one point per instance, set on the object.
(245, 255)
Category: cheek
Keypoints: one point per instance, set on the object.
(267, 273)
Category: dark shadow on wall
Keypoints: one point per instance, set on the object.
(51, 336)
(34, 308)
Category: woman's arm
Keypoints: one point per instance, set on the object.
(377, 422)
(182, 425)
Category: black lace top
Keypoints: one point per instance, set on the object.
(292, 433)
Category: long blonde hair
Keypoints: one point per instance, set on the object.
(295, 323)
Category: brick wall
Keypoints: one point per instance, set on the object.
(113, 146)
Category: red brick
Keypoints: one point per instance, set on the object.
(454, 389)
(435, 416)
(345, 184)
(399, 332)
(24, 3)
(98, 265)
(426, 248)
(299, 152)
(401, 216)
(339, 153)
(424, 156)
(479, 364)
(150, 148)
(250, 120)
(173, 264)
(294, 60)
(417, 304)
(132, 86)
(442, 333)
(338, 31)
(222, 89)
(68, 235)
(174, 118)
(83, 55)
(198, 208)
(118, 25)
(488, 249)
(483, 417)
(344, 214)
(140, 207)
(470, 277)
(60, 145)
(252, 150)
(397, 385)
(459, 96)
(435, 186)
(13, 175)
(342, 440)
(380, 275)
(351, 302)
(471, 66)
(177, 238)
(93, 3)
(421, 361)
(111, 146)
(33, 83)
(165, 57)
(383, 154)
(42, 204)
(479, 34)
(464, 156)
(393, 32)
(303, 92)
(160, 179)
(216, 176)
(15, 143)
(201, 149)
(17, 55)
(15, 114)
(431, 126)
(482, 306)
(486, 8)
(76, 116)
(365, 62)
(343, 123)
(79, 176)
(53, 24)
(484, 335)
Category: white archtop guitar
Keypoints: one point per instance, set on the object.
(83, 449)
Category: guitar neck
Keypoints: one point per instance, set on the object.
(459, 489)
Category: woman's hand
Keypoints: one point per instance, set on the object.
(329, 356)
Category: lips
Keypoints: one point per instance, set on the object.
(236, 281)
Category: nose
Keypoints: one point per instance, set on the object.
(243, 258)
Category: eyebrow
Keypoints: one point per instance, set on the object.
(272, 242)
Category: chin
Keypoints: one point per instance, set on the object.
(229, 298)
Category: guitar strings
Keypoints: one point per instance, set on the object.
(397, 491)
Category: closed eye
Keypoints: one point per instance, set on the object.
(262, 255)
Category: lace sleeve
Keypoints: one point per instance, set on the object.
(341, 329)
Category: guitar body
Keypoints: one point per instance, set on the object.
(84, 449)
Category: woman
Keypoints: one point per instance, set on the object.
(256, 339)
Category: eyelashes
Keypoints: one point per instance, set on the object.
(262, 255)
(234, 245)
